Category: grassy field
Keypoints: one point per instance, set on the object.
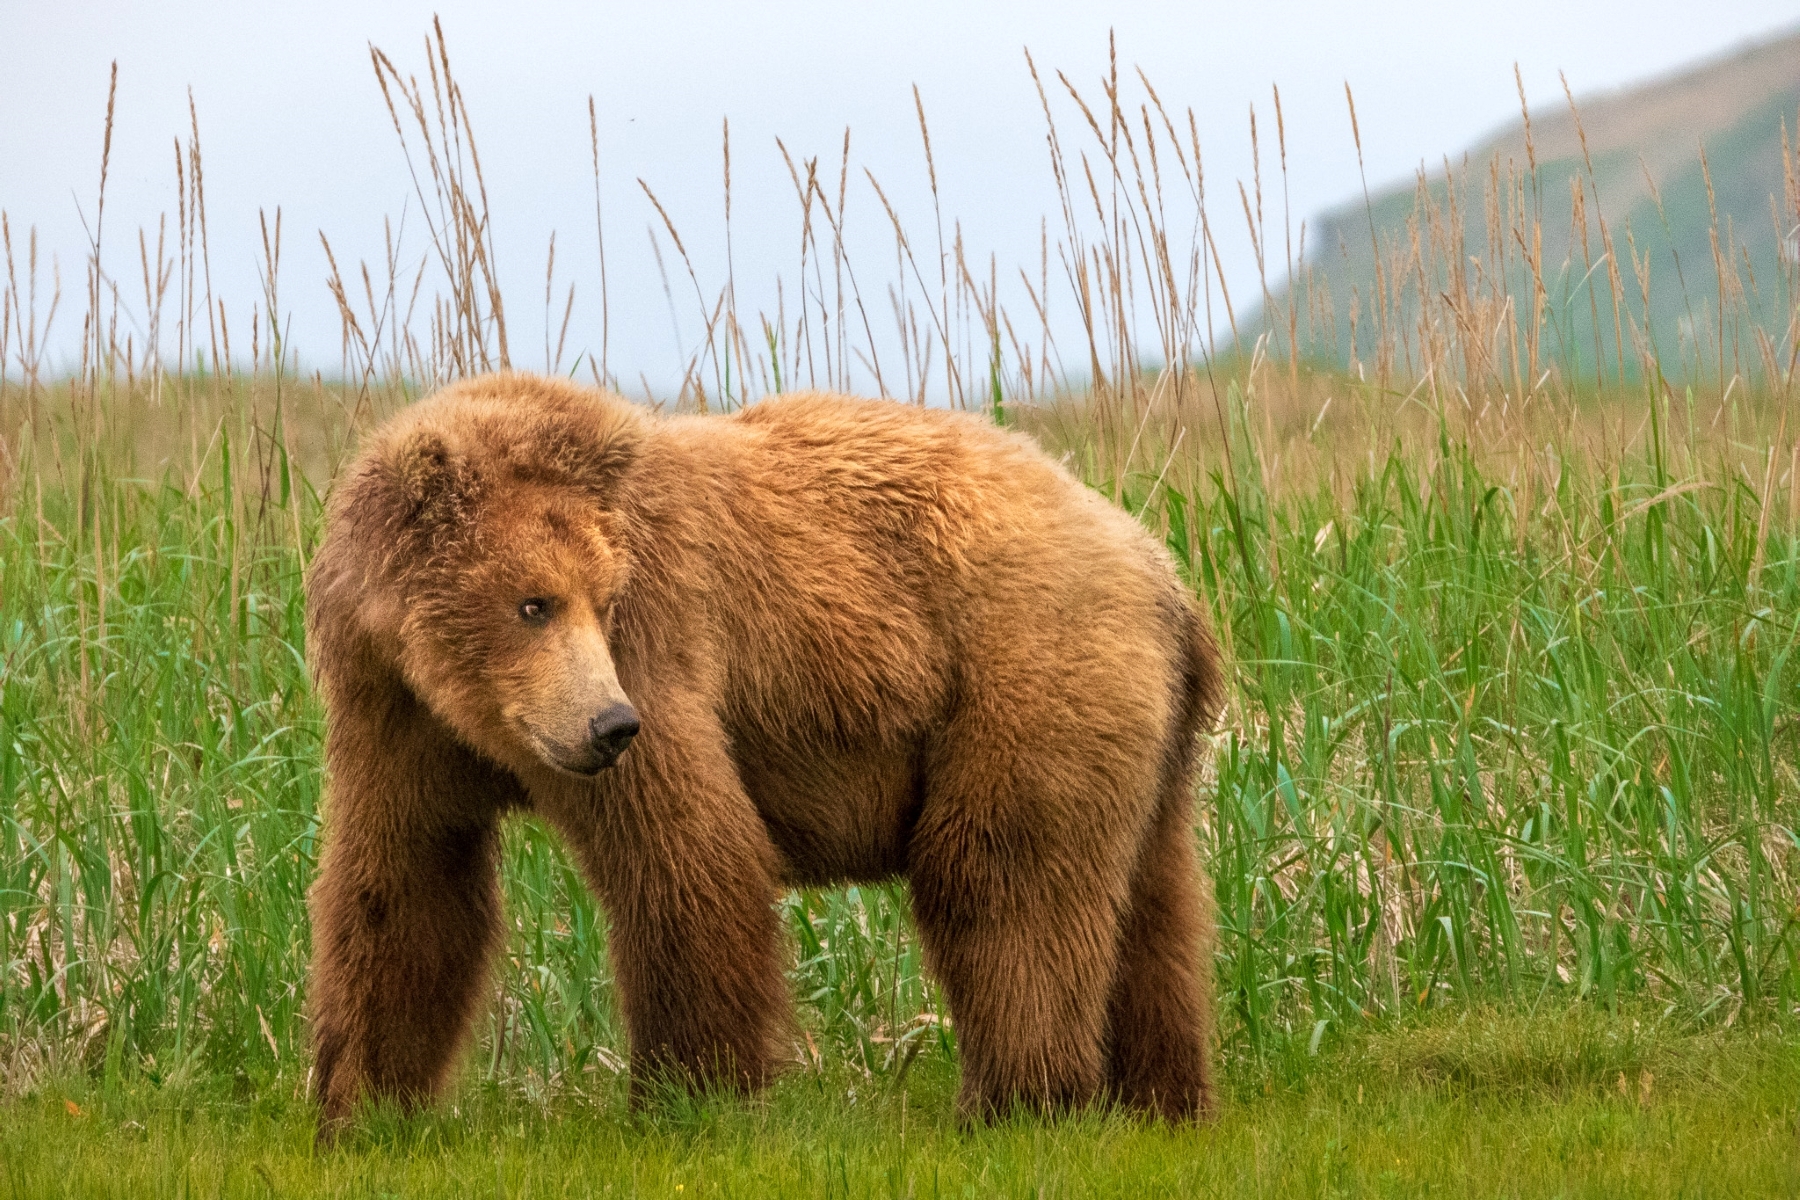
(1487, 1104)
(1501, 817)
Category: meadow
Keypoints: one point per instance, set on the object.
(1501, 817)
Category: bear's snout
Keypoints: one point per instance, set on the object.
(610, 732)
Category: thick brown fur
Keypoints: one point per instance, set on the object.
(865, 640)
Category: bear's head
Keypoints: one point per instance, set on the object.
(477, 553)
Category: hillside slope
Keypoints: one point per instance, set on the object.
(1693, 267)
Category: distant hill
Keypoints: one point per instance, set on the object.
(1645, 145)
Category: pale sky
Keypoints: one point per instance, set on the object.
(290, 115)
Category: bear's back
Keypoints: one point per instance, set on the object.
(956, 480)
(876, 549)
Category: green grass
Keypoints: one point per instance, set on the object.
(1501, 817)
(1487, 745)
(1489, 1104)
(1483, 745)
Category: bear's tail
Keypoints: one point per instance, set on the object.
(1200, 680)
(1161, 1011)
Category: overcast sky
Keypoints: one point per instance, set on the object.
(290, 115)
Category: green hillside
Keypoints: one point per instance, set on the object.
(1692, 269)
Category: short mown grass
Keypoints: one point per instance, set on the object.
(1575, 1103)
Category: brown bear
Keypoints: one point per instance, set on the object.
(818, 640)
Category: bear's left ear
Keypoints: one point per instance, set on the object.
(594, 451)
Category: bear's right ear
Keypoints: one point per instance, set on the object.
(431, 482)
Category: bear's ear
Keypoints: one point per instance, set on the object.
(601, 465)
(594, 451)
(429, 480)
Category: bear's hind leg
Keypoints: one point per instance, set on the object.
(1018, 893)
(1160, 1015)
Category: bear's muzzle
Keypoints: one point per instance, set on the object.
(610, 733)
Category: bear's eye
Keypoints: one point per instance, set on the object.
(535, 611)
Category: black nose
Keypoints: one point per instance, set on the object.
(612, 731)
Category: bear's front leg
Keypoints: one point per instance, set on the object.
(406, 910)
(699, 975)
(684, 865)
